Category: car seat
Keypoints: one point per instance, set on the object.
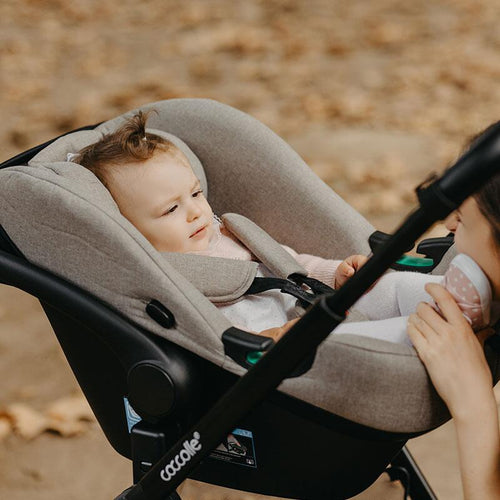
(153, 355)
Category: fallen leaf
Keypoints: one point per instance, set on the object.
(70, 409)
(5, 427)
(67, 428)
(27, 422)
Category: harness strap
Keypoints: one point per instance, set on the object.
(318, 287)
(297, 290)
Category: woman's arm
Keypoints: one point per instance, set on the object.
(454, 358)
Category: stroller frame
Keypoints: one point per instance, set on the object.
(66, 306)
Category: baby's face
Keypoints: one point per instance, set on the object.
(163, 199)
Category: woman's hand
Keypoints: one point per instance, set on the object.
(451, 352)
(347, 268)
(454, 358)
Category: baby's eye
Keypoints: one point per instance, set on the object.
(171, 210)
(197, 193)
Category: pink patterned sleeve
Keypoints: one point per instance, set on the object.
(316, 267)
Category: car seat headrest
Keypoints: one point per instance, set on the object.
(72, 143)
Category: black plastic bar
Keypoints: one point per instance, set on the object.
(233, 406)
(300, 341)
(80, 305)
(419, 488)
(414, 226)
(437, 200)
(267, 374)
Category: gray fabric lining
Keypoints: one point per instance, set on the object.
(71, 143)
(231, 280)
(265, 248)
(99, 250)
(63, 219)
(445, 261)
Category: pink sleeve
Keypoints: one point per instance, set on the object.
(316, 267)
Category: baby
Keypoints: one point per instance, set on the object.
(156, 189)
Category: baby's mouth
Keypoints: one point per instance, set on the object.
(199, 231)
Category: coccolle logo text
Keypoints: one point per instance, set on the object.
(189, 450)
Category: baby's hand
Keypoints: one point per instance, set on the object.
(278, 332)
(347, 268)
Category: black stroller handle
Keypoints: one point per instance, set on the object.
(438, 197)
(473, 168)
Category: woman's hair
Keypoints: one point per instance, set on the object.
(129, 143)
(488, 201)
(488, 196)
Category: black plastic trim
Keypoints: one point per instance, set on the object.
(161, 314)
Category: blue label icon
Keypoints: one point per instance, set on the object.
(130, 413)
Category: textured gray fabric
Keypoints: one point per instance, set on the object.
(445, 261)
(64, 220)
(265, 248)
(253, 172)
(220, 280)
(226, 280)
(71, 143)
(362, 376)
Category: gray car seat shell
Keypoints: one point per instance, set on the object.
(249, 170)
(363, 397)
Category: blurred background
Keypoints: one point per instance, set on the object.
(373, 94)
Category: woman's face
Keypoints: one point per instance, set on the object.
(473, 237)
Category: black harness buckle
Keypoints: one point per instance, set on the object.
(305, 289)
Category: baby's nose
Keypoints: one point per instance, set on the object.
(194, 211)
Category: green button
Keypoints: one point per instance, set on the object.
(254, 356)
(408, 260)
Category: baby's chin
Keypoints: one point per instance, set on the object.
(184, 249)
(189, 245)
(201, 246)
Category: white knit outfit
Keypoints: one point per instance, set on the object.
(271, 308)
(386, 306)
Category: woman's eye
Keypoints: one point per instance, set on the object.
(197, 193)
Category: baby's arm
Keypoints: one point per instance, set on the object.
(334, 273)
(318, 268)
(395, 294)
(278, 332)
(275, 333)
(348, 268)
